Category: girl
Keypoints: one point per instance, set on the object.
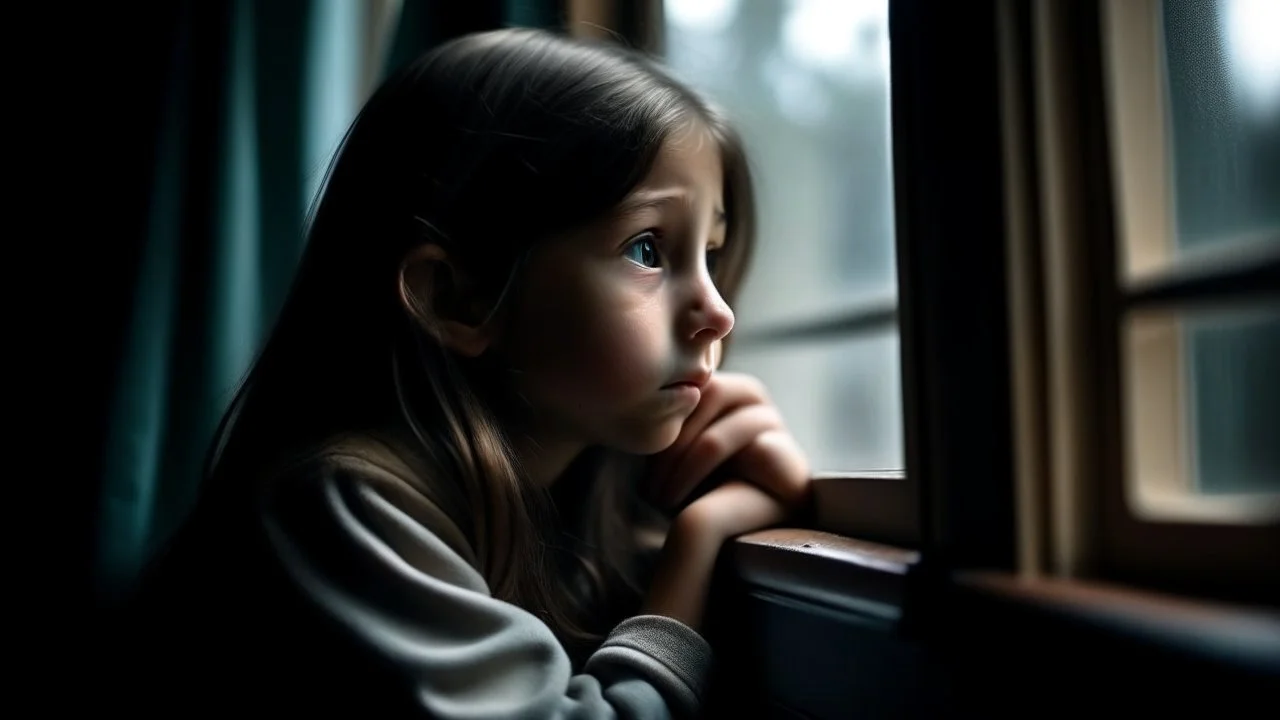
(489, 395)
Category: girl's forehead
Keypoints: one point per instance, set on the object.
(686, 173)
(687, 164)
(690, 139)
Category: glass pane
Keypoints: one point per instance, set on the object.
(1233, 385)
(1223, 68)
(841, 399)
(1202, 410)
(807, 82)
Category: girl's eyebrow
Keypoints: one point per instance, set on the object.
(643, 200)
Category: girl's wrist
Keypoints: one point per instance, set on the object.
(683, 576)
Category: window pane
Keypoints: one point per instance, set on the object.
(841, 399)
(1202, 408)
(1234, 393)
(807, 82)
(1223, 66)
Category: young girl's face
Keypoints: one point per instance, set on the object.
(619, 323)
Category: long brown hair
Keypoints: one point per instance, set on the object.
(485, 145)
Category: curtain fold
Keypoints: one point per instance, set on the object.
(256, 99)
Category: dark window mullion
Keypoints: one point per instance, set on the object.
(1240, 280)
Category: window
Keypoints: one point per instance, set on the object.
(1195, 113)
(1147, 395)
(1143, 310)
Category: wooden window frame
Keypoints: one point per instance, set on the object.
(1236, 538)
(1158, 477)
(1091, 152)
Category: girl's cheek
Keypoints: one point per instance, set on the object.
(617, 354)
(599, 332)
(637, 359)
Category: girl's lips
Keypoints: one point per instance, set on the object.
(696, 379)
(685, 391)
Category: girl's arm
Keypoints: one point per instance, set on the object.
(683, 577)
(388, 570)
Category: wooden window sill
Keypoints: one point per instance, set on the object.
(828, 570)
(839, 623)
(1244, 637)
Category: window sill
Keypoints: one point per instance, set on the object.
(838, 623)
(1241, 637)
(806, 624)
(868, 580)
(831, 571)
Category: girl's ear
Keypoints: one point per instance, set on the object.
(440, 297)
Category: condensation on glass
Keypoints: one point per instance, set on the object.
(1223, 113)
(807, 82)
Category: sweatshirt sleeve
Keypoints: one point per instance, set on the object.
(397, 576)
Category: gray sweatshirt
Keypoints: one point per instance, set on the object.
(388, 569)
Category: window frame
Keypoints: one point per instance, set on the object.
(1155, 349)
(1091, 100)
(1235, 558)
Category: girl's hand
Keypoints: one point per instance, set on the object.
(735, 432)
(733, 469)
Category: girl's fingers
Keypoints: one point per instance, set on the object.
(774, 461)
(725, 393)
(720, 441)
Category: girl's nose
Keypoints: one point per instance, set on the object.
(709, 317)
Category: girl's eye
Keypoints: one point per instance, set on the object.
(643, 251)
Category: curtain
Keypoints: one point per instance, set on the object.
(255, 99)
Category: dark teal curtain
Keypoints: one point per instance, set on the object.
(254, 101)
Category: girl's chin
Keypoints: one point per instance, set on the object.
(653, 440)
